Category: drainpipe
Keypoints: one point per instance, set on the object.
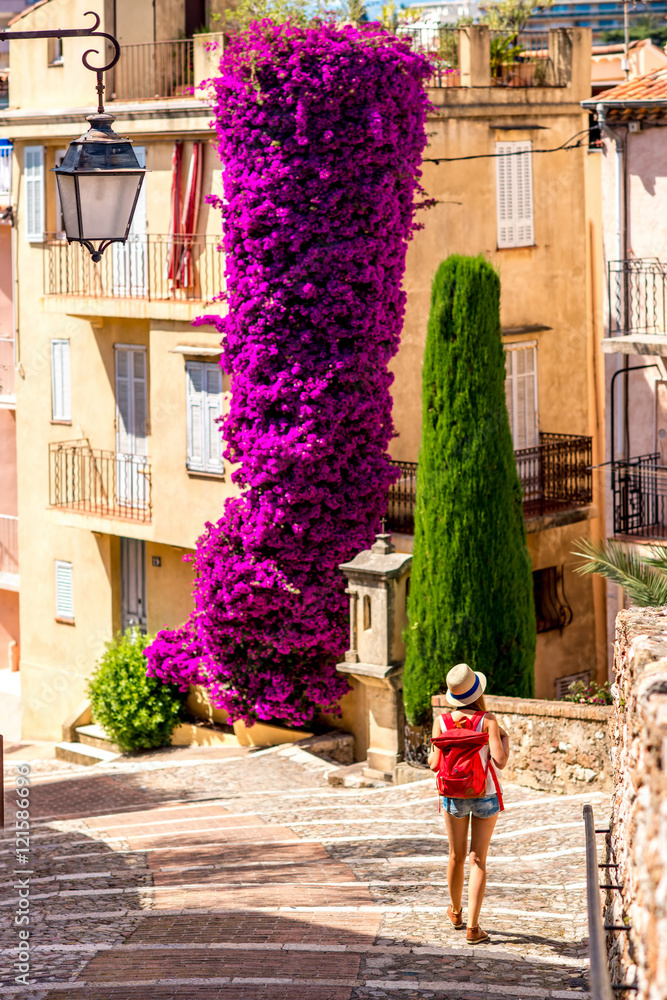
(622, 445)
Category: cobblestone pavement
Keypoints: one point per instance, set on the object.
(244, 876)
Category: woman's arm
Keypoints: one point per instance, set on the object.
(434, 755)
(498, 741)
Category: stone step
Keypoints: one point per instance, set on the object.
(80, 753)
(95, 736)
(355, 776)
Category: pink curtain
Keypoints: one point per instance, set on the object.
(174, 245)
(190, 215)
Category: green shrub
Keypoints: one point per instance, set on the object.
(471, 590)
(137, 712)
(590, 694)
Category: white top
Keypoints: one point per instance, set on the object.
(484, 755)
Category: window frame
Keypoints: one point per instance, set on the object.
(205, 467)
(61, 612)
(64, 417)
(514, 183)
(512, 378)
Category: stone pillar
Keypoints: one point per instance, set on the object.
(377, 585)
(475, 56)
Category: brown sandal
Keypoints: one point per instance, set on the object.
(456, 918)
(475, 935)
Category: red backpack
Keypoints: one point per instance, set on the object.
(461, 774)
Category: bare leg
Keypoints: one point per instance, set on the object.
(457, 832)
(482, 829)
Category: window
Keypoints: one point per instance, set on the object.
(64, 591)
(367, 614)
(514, 194)
(34, 193)
(563, 683)
(55, 51)
(5, 171)
(61, 406)
(60, 222)
(552, 610)
(204, 402)
(521, 393)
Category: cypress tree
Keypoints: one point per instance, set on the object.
(471, 596)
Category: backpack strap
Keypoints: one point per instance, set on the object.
(491, 768)
(446, 721)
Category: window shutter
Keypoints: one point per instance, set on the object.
(123, 404)
(514, 194)
(505, 195)
(204, 403)
(213, 411)
(195, 418)
(521, 393)
(64, 590)
(139, 402)
(61, 406)
(34, 193)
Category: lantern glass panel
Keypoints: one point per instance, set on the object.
(67, 192)
(106, 201)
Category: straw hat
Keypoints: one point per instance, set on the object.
(464, 685)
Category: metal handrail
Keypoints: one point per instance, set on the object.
(600, 985)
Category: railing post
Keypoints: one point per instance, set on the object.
(475, 56)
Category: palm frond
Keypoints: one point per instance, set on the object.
(644, 582)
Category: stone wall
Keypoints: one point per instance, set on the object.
(556, 746)
(638, 840)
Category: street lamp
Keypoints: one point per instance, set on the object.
(99, 183)
(100, 178)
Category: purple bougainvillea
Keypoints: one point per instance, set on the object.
(321, 132)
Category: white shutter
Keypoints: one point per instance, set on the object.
(213, 411)
(64, 591)
(61, 406)
(139, 402)
(194, 371)
(521, 393)
(204, 406)
(124, 421)
(514, 194)
(34, 193)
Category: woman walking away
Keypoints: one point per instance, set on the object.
(465, 693)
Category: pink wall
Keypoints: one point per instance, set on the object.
(8, 502)
(6, 316)
(9, 622)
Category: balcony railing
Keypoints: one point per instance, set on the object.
(159, 268)
(155, 70)
(441, 45)
(7, 386)
(517, 59)
(639, 488)
(555, 475)
(9, 550)
(89, 481)
(637, 297)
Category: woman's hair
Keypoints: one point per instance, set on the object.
(479, 705)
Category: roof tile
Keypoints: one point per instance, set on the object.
(652, 87)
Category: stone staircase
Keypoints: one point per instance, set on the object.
(89, 744)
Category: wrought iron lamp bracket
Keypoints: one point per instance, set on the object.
(92, 32)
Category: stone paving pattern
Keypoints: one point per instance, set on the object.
(244, 875)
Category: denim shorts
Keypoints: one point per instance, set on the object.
(482, 808)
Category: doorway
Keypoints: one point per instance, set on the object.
(133, 584)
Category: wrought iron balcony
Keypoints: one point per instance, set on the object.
(155, 267)
(555, 475)
(639, 488)
(637, 297)
(150, 70)
(9, 552)
(103, 483)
